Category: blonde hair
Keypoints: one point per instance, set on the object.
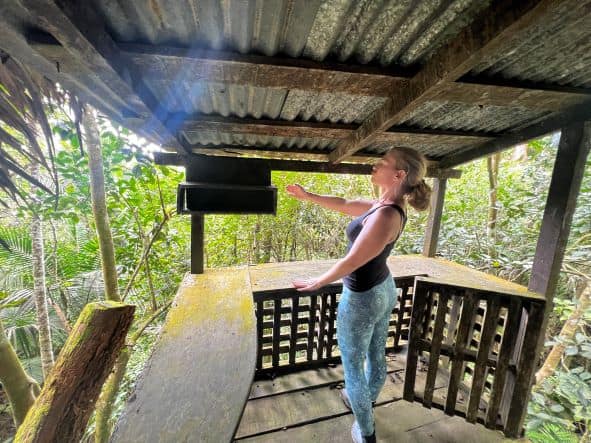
(415, 165)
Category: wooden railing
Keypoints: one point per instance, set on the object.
(297, 330)
(478, 363)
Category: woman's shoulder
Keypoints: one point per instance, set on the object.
(389, 211)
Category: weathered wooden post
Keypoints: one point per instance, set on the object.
(569, 167)
(434, 221)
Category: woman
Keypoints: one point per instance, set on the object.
(368, 294)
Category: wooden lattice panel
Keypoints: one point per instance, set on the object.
(297, 330)
(471, 338)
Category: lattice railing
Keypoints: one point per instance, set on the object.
(479, 365)
(297, 330)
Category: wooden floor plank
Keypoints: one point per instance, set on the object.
(297, 406)
(399, 422)
(311, 378)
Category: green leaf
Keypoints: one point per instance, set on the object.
(580, 338)
(571, 350)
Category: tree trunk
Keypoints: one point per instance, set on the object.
(106, 401)
(39, 290)
(99, 203)
(492, 163)
(67, 399)
(568, 332)
(150, 285)
(20, 389)
(101, 217)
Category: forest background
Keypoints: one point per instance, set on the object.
(491, 221)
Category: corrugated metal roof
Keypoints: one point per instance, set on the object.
(183, 95)
(381, 31)
(434, 147)
(557, 49)
(398, 32)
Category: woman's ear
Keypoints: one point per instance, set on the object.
(400, 175)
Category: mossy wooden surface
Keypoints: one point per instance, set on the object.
(67, 399)
(197, 380)
(281, 275)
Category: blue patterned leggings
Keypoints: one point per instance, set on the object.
(362, 330)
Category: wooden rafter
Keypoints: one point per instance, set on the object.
(313, 163)
(158, 63)
(307, 129)
(83, 37)
(485, 35)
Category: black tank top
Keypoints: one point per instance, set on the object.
(376, 270)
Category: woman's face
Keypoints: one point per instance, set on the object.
(384, 173)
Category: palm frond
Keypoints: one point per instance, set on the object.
(22, 112)
(552, 433)
(15, 299)
(15, 256)
(21, 329)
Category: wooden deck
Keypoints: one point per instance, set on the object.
(196, 382)
(306, 407)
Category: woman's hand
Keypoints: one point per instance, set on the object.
(297, 191)
(306, 284)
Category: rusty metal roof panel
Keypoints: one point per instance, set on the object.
(555, 50)
(189, 97)
(217, 138)
(377, 31)
(336, 108)
(465, 117)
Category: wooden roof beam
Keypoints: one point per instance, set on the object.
(82, 35)
(318, 163)
(496, 24)
(307, 129)
(157, 63)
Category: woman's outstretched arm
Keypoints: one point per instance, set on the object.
(349, 207)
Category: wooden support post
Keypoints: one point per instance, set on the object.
(567, 176)
(197, 243)
(569, 167)
(67, 399)
(434, 221)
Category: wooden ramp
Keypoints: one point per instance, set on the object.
(195, 384)
(306, 407)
